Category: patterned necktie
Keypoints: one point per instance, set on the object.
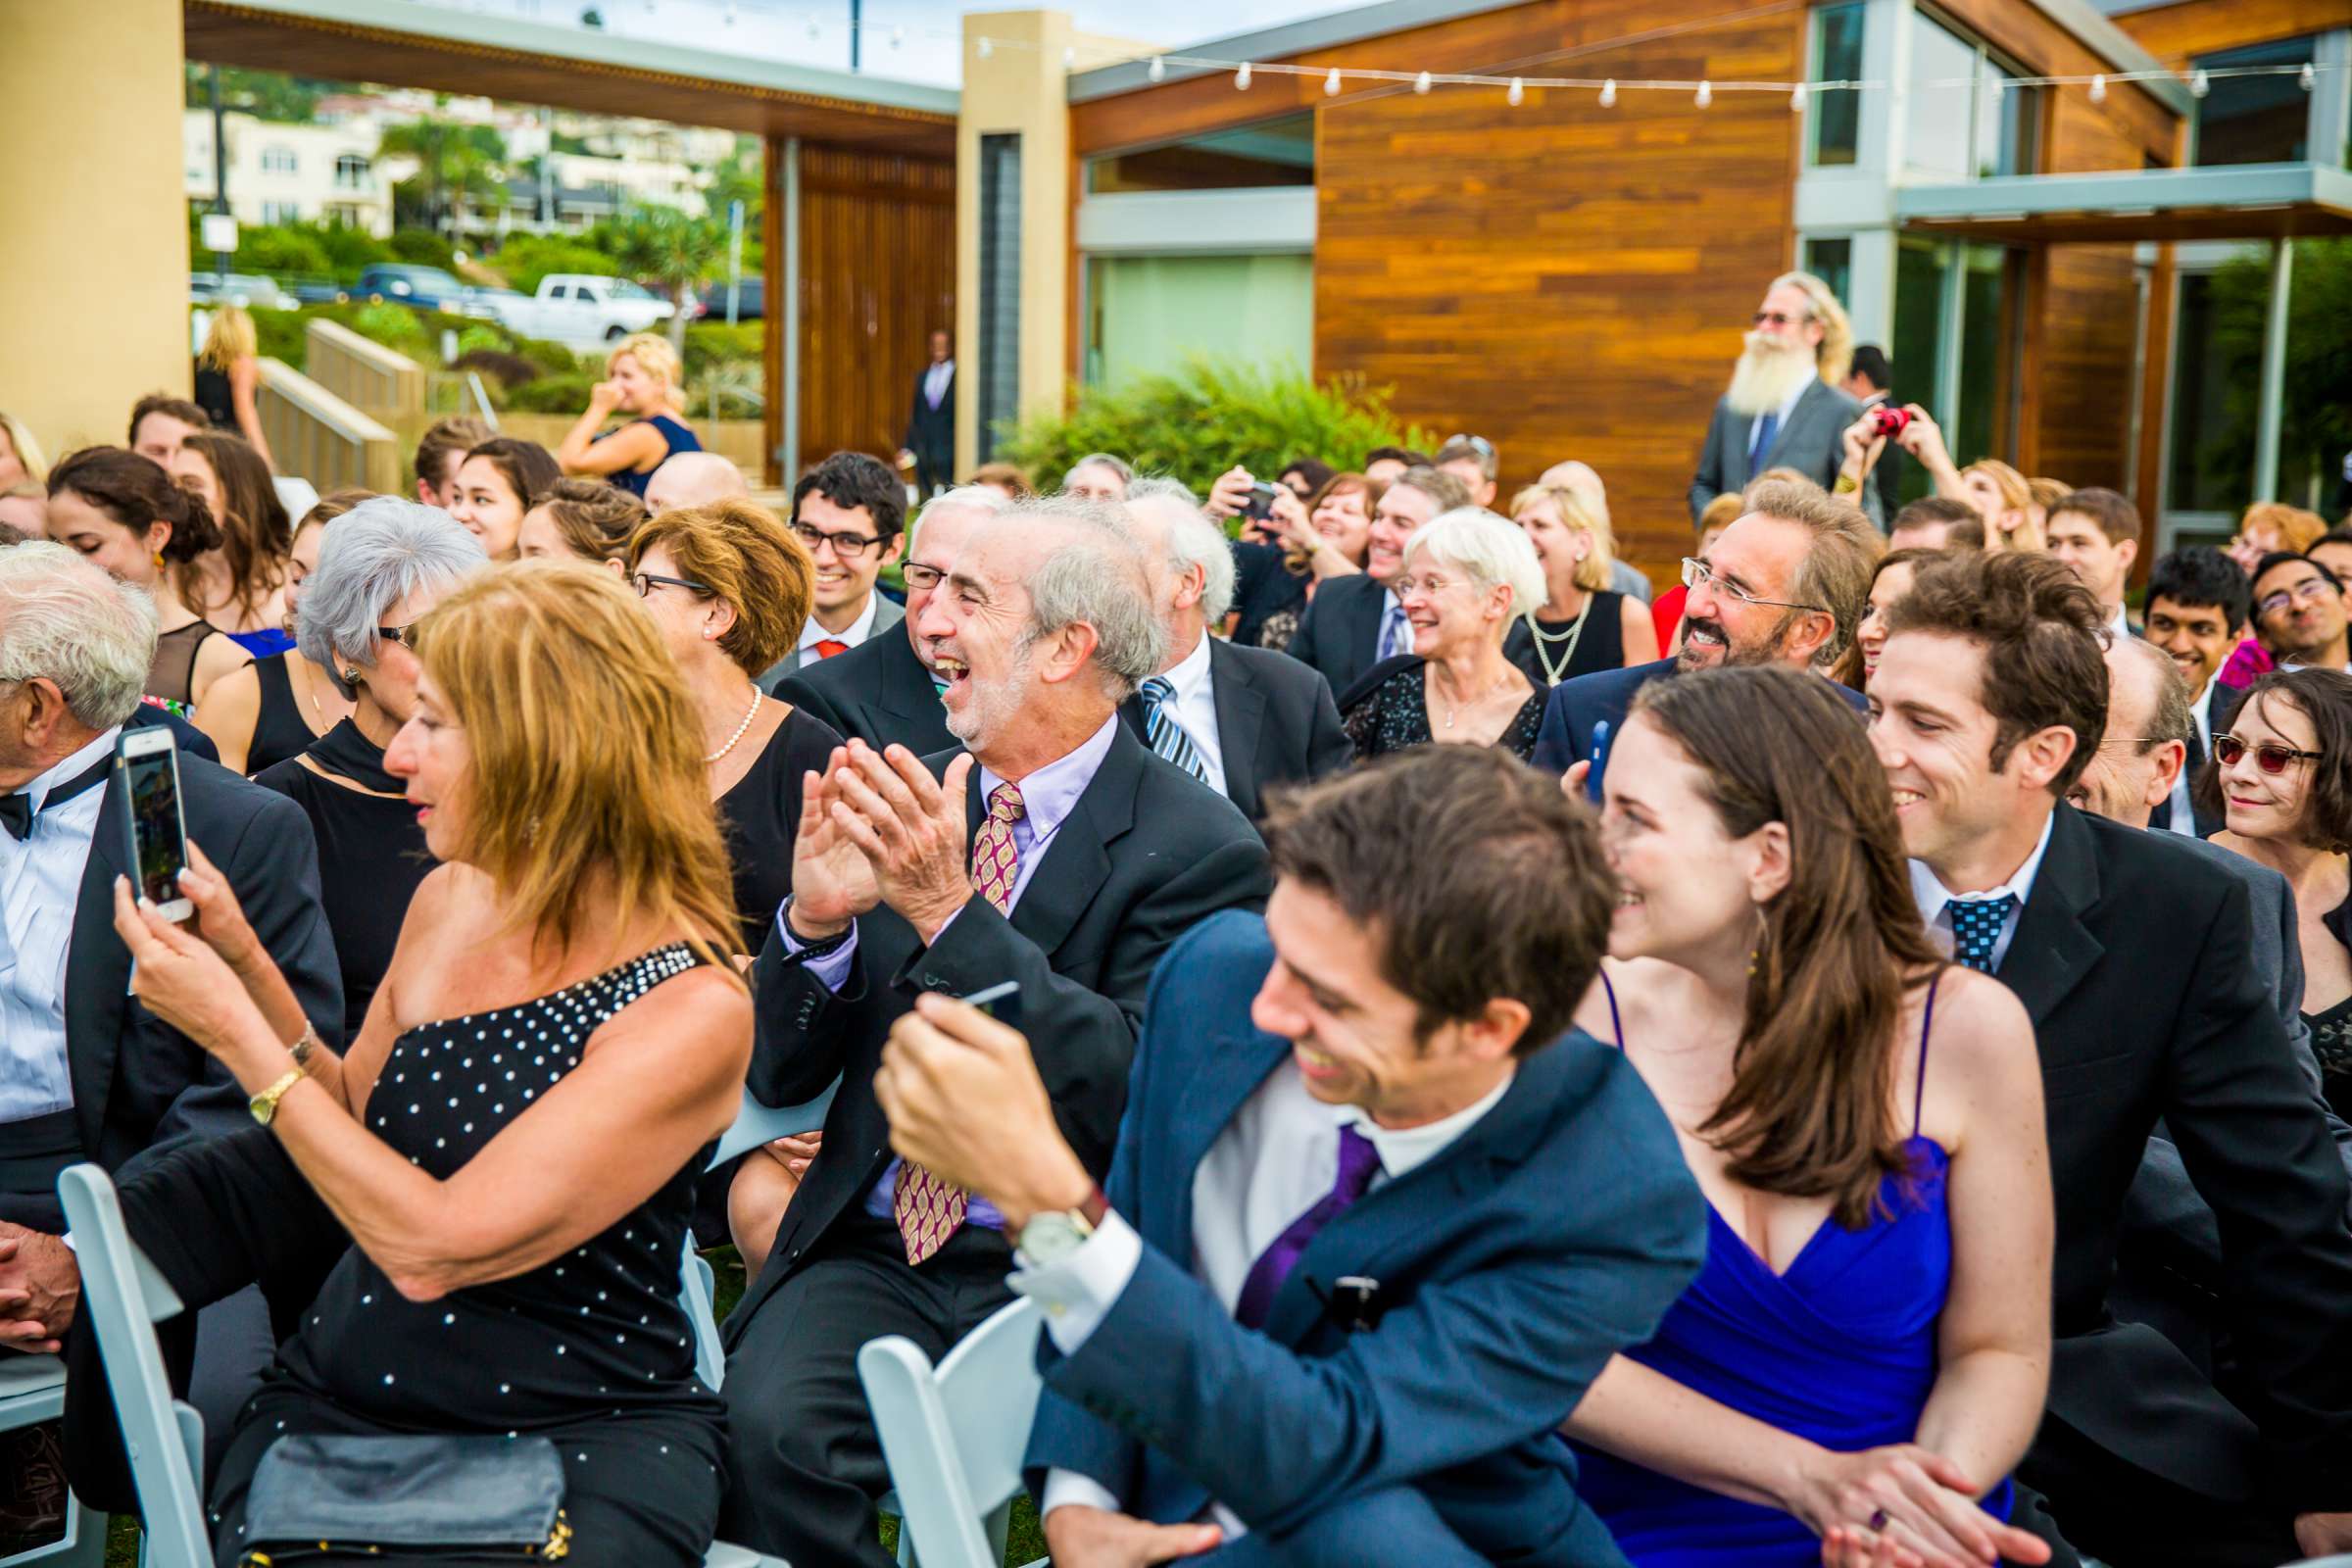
(1394, 638)
(1359, 1162)
(930, 1210)
(827, 647)
(1167, 737)
(1975, 926)
(1768, 426)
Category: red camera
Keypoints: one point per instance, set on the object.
(1891, 421)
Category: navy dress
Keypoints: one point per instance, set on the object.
(1839, 1350)
(679, 438)
(592, 1351)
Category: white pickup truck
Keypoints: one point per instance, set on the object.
(581, 310)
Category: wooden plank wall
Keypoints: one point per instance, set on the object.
(2173, 33)
(877, 274)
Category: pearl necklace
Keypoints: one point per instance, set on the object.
(749, 714)
(1575, 634)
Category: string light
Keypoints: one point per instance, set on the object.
(1157, 70)
(1796, 99)
(1997, 84)
(1608, 93)
(1069, 56)
(1421, 83)
(988, 46)
(1241, 78)
(1518, 93)
(1331, 84)
(2303, 79)
(898, 36)
(2098, 89)
(2199, 85)
(1706, 94)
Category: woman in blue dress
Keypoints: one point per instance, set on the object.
(641, 376)
(1865, 1352)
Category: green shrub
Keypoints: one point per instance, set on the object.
(423, 248)
(1201, 420)
(280, 336)
(280, 248)
(350, 251)
(396, 326)
(525, 259)
(552, 356)
(565, 393)
(714, 343)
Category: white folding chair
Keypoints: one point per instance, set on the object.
(124, 1297)
(757, 1124)
(32, 1390)
(952, 1435)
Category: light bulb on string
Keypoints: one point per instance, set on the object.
(1157, 70)
(1608, 93)
(986, 47)
(898, 36)
(1706, 94)
(1241, 78)
(1421, 83)
(1796, 99)
(2199, 85)
(2098, 89)
(1996, 85)
(1331, 83)
(1069, 56)
(2305, 79)
(1518, 93)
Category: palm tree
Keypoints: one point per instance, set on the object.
(670, 249)
(456, 165)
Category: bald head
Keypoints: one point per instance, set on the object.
(2148, 723)
(934, 541)
(693, 479)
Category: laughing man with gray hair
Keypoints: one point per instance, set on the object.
(1054, 851)
(1237, 718)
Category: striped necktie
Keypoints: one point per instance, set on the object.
(1167, 736)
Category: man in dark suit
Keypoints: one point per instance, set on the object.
(2130, 953)
(2198, 605)
(882, 692)
(930, 444)
(1332, 1306)
(1355, 622)
(1237, 718)
(1783, 409)
(1785, 584)
(1058, 853)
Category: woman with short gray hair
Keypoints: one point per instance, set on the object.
(382, 566)
(1467, 576)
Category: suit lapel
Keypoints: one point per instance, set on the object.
(97, 975)
(2053, 950)
(1076, 861)
(904, 686)
(1241, 719)
(1237, 1065)
(1796, 416)
(1363, 626)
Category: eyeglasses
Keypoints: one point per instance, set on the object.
(1476, 443)
(402, 635)
(2309, 591)
(1779, 319)
(1407, 586)
(1698, 574)
(645, 582)
(921, 578)
(848, 546)
(2270, 755)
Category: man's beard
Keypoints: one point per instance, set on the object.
(1733, 655)
(994, 704)
(1767, 374)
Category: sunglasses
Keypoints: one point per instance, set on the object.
(2270, 755)
(1476, 443)
(1777, 318)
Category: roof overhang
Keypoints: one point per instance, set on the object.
(2250, 201)
(570, 68)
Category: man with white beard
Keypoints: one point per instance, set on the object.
(1783, 409)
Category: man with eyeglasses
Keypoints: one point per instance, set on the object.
(1783, 409)
(848, 510)
(1785, 584)
(1473, 459)
(2132, 955)
(2299, 612)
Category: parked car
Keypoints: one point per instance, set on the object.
(248, 289)
(427, 288)
(583, 310)
(313, 289)
(751, 303)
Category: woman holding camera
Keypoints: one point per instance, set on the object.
(501, 1167)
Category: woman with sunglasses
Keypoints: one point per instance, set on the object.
(2282, 779)
(730, 587)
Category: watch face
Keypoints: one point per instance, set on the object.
(1049, 1238)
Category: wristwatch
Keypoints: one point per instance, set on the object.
(807, 949)
(1054, 1234)
(263, 1106)
(301, 1048)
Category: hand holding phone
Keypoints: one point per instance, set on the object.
(154, 833)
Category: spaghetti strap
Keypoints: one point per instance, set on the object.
(1616, 1023)
(1926, 1023)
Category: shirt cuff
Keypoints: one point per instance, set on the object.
(1071, 1488)
(1076, 1293)
(833, 967)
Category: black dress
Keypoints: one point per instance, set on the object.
(593, 1351)
(172, 674)
(1591, 641)
(371, 855)
(762, 815)
(278, 730)
(2331, 1031)
(1387, 710)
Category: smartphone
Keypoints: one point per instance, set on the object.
(1000, 1001)
(154, 833)
(1261, 504)
(1601, 761)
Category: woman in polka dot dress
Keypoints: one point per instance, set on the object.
(512, 1140)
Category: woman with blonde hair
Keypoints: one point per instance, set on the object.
(1581, 625)
(20, 460)
(229, 378)
(505, 1158)
(730, 586)
(641, 376)
(241, 586)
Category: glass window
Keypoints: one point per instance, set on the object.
(2255, 120)
(1936, 131)
(1150, 314)
(2006, 124)
(999, 378)
(1274, 152)
(1836, 57)
(2210, 461)
(1983, 425)
(1833, 262)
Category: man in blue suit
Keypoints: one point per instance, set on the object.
(1372, 1225)
(1785, 584)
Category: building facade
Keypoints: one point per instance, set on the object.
(281, 172)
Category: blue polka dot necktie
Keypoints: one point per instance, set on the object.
(1975, 926)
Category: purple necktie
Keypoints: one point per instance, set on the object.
(1359, 1161)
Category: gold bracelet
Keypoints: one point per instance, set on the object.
(263, 1106)
(1847, 485)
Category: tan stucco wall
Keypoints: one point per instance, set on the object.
(94, 259)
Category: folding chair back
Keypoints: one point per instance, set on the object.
(756, 1123)
(124, 1297)
(32, 1390)
(954, 1435)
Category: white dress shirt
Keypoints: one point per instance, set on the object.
(40, 883)
(2185, 814)
(1195, 708)
(854, 633)
(935, 381)
(2119, 624)
(1276, 1159)
(1934, 897)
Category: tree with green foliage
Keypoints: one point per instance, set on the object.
(525, 259)
(1198, 421)
(271, 95)
(457, 166)
(670, 249)
(2315, 424)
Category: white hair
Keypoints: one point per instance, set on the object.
(1096, 575)
(64, 619)
(964, 498)
(1117, 464)
(377, 555)
(1496, 554)
(1192, 541)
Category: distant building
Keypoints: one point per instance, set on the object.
(287, 174)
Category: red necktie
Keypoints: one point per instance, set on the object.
(827, 647)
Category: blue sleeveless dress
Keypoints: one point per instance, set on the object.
(1840, 1350)
(680, 439)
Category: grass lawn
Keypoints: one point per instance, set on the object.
(1024, 1542)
